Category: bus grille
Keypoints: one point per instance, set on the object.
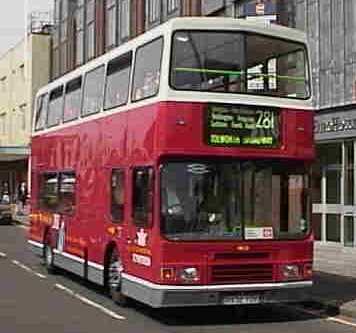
(249, 273)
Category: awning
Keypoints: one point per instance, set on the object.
(15, 153)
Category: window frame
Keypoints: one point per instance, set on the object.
(122, 173)
(133, 88)
(117, 59)
(82, 114)
(147, 221)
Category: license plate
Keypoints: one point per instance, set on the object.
(241, 299)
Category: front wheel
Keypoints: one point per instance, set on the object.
(48, 259)
(114, 279)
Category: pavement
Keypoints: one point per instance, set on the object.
(334, 294)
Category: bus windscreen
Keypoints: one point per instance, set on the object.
(239, 62)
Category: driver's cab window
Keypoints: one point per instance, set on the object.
(142, 196)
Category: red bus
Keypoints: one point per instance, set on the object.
(175, 169)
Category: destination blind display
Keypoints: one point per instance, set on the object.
(229, 125)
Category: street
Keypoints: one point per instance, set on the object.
(33, 301)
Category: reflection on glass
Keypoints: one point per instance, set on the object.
(202, 200)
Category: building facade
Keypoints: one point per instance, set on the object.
(87, 28)
(23, 70)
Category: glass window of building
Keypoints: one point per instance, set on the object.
(330, 155)
(173, 8)
(147, 70)
(349, 173)
(93, 91)
(79, 27)
(111, 23)
(90, 29)
(153, 12)
(55, 107)
(332, 228)
(73, 98)
(117, 81)
(124, 20)
(349, 226)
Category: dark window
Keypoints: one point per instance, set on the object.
(93, 91)
(72, 101)
(41, 113)
(117, 195)
(117, 82)
(147, 70)
(67, 192)
(124, 20)
(111, 23)
(142, 196)
(49, 199)
(55, 107)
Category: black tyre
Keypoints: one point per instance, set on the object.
(114, 278)
(48, 259)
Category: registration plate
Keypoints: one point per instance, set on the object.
(241, 299)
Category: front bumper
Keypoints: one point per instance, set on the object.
(159, 296)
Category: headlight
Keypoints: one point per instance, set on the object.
(290, 272)
(189, 274)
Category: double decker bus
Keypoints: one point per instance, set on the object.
(175, 169)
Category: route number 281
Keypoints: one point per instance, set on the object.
(265, 119)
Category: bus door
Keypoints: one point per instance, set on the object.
(141, 220)
(68, 237)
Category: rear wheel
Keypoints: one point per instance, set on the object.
(48, 259)
(114, 279)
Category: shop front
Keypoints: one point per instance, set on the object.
(334, 191)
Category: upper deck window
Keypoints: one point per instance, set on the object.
(147, 70)
(117, 82)
(239, 62)
(72, 101)
(41, 112)
(93, 91)
(55, 108)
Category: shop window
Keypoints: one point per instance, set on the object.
(349, 173)
(333, 228)
(142, 196)
(93, 91)
(349, 226)
(316, 226)
(41, 112)
(72, 102)
(117, 195)
(117, 81)
(147, 70)
(55, 107)
(330, 155)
